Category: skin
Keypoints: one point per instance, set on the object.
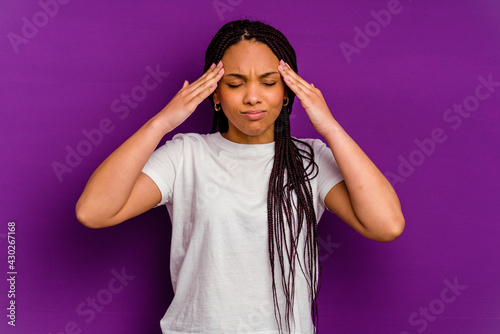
(251, 82)
(249, 78)
(365, 200)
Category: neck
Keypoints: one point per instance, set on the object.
(239, 137)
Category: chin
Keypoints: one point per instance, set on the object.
(254, 131)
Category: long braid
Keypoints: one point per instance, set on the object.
(289, 201)
(297, 183)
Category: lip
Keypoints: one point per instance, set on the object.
(253, 115)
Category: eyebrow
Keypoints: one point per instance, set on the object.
(244, 77)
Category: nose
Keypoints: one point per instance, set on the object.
(252, 94)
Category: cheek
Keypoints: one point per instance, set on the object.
(272, 96)
(276, 96)
(228, 97)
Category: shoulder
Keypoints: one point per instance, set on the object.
(190, 140)
(182, 147)
(316, 145)
(191, 137)
(323, 155)
(187, 144)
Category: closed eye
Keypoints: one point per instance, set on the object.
(264, 83)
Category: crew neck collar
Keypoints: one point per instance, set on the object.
(231, 146)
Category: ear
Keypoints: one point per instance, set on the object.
(216, 97)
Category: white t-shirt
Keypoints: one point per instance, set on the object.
(216, 194)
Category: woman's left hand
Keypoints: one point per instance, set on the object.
(365, 199)
(310, 97)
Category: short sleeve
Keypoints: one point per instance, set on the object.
(162, 166)
(329, 173)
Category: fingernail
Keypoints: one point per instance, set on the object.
(219, 64)
(282, 62)
(221, 70)
(212, 66)
(215, 84)
(281, 67)
(286, 78)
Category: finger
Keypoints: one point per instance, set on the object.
(302, 89)
(214, 73)
(204, 89)
(210, 82)
(287, 75)
(293, 77)
(293, 84)
(195, 83)
(290, 73)
(186, 83)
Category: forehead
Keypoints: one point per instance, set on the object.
(249, 56)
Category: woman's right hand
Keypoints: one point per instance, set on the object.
(118, 190)
(185, 102)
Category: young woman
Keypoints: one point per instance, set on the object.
(244, 200)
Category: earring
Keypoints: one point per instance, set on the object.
(215, 107)
(286, 103)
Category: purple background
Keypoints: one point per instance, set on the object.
(391, 94)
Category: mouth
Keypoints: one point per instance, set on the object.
(253, 115)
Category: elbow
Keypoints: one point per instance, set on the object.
(394, 228)
(84, 216)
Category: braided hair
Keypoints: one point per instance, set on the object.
(289, 200)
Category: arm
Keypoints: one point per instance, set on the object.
(118, 190)
(365, 200)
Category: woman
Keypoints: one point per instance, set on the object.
(244, 201)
